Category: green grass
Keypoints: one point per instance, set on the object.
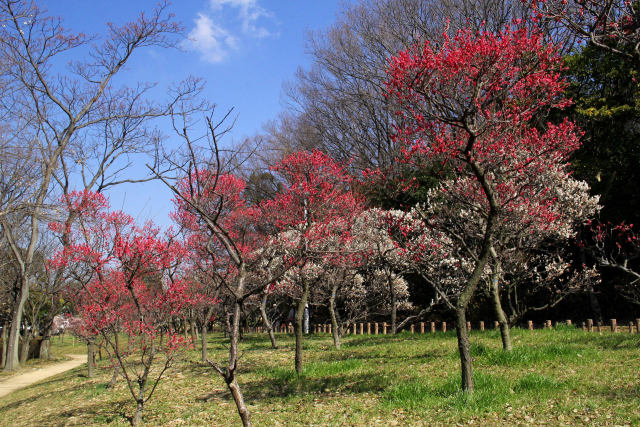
(554, 377)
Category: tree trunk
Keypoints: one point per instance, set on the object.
(230, 373)
(265, 319)
(45, 345)
(47, 326)
(137, 417)
(114, 377)
(394, 311)
(3, 356)
(334, 319)
(469, 288)
(91, 358)
(203, 340)
(466, 366)
(12, 362)
(234, 388)
(505, 332)
(298, 327)
(192, 330)
(26, 343)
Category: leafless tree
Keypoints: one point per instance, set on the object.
(611, 25)
(52, 112)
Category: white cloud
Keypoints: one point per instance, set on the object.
(243, 19)
(211, 40)
(249, 13)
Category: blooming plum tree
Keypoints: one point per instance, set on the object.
(314, 211)
(123, 290)
(212, 209)
(470, 103)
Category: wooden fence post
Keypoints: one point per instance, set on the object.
(329, 328)
(568, 322)
(422, 327)
(354, 328)
(482, 325)
(468, 326)
(412, 329)
(384, 328)
(549, 324)
(638, 326)
(590, 325)
(530, 325)
(433, 327)
(361, 328)
(444, 326)
(369, 328)
(630, 327)
(496, 324)
(375, 328)
(614, 325)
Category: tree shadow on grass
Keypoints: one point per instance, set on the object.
(98, 413)
(346, 355)
(286, 383)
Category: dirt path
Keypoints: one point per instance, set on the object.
(22, 380)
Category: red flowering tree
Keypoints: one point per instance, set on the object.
(123, 291)
(212, 209)
(314, 212)
(470, 103)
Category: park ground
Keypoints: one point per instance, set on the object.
(563, 376)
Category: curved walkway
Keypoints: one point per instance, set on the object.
(22, 380)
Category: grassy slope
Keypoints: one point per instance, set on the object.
(557, 377)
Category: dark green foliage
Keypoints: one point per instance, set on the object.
(606, 93)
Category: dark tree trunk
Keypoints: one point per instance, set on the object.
(464, 350)
(335, 332)
(394, 312)
(505, 332)
(265, 319)
(298, 327)
(464, 299)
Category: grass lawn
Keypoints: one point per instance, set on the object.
(555, 377)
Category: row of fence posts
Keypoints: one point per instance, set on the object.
(376, 328)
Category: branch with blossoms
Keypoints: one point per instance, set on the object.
(469, 103)
(123, 289)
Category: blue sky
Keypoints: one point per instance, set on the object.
(244, 49)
